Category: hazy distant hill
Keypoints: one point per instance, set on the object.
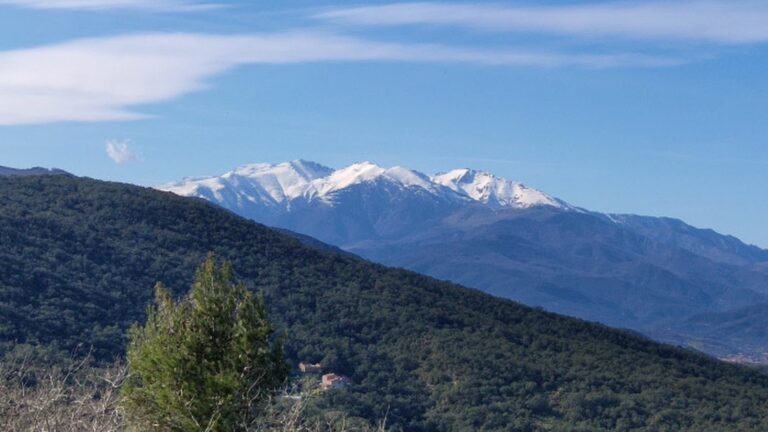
(80, 257)
(719, 332)
(510, 240)
(8, 172)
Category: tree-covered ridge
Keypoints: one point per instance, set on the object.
(79, 259)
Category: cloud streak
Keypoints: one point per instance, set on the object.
(97, 5)
(722, 22)
(104, 79)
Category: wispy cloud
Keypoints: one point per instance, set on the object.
(95, 5)
(120, 151)
(104, 79)
(723, 22)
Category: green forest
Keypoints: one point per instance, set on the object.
(80, 259)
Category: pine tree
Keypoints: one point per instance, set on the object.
(205, 363)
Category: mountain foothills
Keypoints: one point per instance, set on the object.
(80, 258)
(650, 274)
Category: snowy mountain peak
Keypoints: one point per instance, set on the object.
(495, 191)
(254, 183)
(282, 186)
(356, 173)
(305, 170)
(366, 172)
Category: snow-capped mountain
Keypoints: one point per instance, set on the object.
(496, 192)
(359, 203)
(367, 172)
(253, 189)
(254, 184)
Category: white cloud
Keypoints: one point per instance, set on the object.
(120, 151)
(104, 79)
(95, 5)
(724, 22)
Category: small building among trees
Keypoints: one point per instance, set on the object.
(308, 368)
(333, 381)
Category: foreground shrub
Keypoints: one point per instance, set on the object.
(206, 363)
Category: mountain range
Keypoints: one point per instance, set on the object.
(654, 275)
(358, 203)
(80, 258)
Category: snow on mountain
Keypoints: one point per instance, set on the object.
(494, 191)
(252, 184)
(367, 172)
(281, 182)
(279, 185)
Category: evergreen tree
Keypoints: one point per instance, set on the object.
(205, 363)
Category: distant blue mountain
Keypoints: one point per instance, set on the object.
(644, 273)
(8, 172)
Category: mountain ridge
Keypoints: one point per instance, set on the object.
(476, 186)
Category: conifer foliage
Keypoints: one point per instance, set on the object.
(205, 363)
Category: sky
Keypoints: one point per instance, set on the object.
(654, 108)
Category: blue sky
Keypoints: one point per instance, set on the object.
(644, 107)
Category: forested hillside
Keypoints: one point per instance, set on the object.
(79, 259)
